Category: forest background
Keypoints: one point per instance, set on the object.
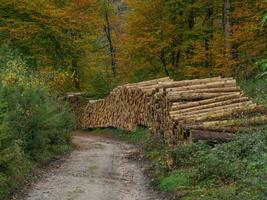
(94, 45)
(50, 47)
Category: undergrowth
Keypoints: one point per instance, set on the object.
(255, 89)
(234, 170)
(34, 125)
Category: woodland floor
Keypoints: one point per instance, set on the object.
(98, 169)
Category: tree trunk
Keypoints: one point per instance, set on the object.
(76, 74)
(112, 52)
(227, 27)
(176, 58)
(209, 36)
(163, 61)
(191, 18)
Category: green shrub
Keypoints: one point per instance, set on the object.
(231, 161)
(256, 89)
(40, 123)
(177, 179)
(101, 85)
(146, 73)
(234, 170)
(187, 154)
(34, 127)
(13, 161)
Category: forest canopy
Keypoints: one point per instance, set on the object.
(80, 43)
(51, 47)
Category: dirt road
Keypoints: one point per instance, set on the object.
(99, 169)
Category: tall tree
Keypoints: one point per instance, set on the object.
(227, 26)
(50, 32)
(108, 13)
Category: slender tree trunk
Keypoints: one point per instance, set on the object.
(191, 17)
(163, 60)
(208, 37)
(191, 26)
(191, 20)
(112, 52)
(178, 56)
(227, 26)
(76, 74)
(175, 58)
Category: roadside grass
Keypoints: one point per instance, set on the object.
(139, 135)
(234, 170)
(176, 179)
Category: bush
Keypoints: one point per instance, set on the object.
(173, 181)
(34, 126)
(185, 155)
(13, 162)
(42, 126)
(231, 162)
(256, 89)
(101, 85)
(234, 170)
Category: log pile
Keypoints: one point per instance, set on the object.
(125, 107)
(178, 111)
(206, 109)
(77, 104)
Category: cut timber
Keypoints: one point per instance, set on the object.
(211, 105)
(203, 102)
(213, 108)
(219, 84)
(260, 120)
(191, 82)
(211, 136)
(197, 96)
(207, 109)
(212, 90)
(148, 83)
(228, 129)
(217, 114)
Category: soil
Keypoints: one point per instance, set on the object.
(98, 169)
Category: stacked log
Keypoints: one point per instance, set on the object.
(125, 107)
(178, 111)
(77, 104)
(206, 109)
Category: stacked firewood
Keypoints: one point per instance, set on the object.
(178, 111)
(206, 109)
(77, 104)
(125, 107)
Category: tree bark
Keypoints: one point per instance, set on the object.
(209, 36)
(163, 61)
(112, 51)
(76, 74)
(227, 26)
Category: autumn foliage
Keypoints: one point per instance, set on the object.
(132, 40)
(195, 38)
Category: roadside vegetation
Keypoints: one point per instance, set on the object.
(34, 126)
(48, 48)
(204, 171)
(201, 171)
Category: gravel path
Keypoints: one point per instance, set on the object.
(99, 169)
